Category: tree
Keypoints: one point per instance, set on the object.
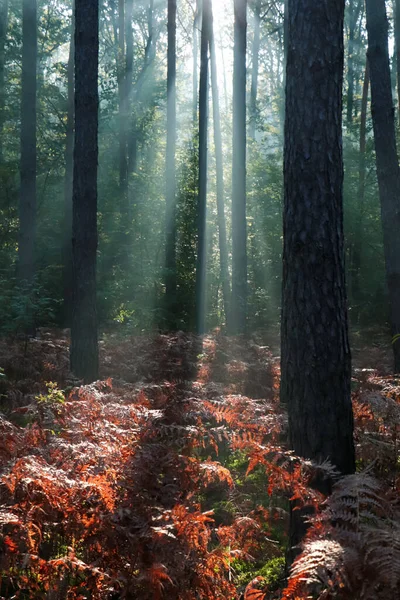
(315, 355)
(84, 343)
(254, 70)
(170, 262)
(123, 102)
(27, 206)
(397, 48)
(223, 246)
(387, 165)
(239, 229)
(195, 60)
(202, 202)
(354, 13)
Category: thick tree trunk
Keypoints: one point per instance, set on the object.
(3, 37)
(358, 236)
(239, 229)
(202, 203)
(68, 183)
(170, 246)
(315, 362)
(254, 71)
(223, 246)
(387, 165)
(84, 344)
(27, 207)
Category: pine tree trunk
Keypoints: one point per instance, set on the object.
(202, 202)
(397, 50)
(315, 355)
(27, 207)
(254, 72)
(84, 343)
(239, 229)
(170, 246)
(3, 37)
(223, 246)
(68, 183)
(387, 165)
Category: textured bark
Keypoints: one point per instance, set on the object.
(3, 37)
(239, 229)
(316, 370)
(27, 207)
(223, 246)
(68, 183)
(202, 202)
(387, 166)
(254, 71)
(84, 343)
(170, 246)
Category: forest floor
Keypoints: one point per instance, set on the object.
(169, 477)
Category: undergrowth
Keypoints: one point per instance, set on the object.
(170, 478)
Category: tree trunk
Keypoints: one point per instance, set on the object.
(254, 72)
(68, 183)
(387, 166)
(358, 236)
(239, 229)
(3, 37)
(27, 207)
(84, 343)
(315, 361)
(223, 246)
(202, 203)
(170, 247)
(350, 63)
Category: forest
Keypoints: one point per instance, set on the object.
(199, 299)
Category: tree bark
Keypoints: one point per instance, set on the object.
(202, 202)
(397, 49)
(254, 72)
(223, 246)
(387, 165)
(239, 229)
(123, 101)
(68, 182)
(315, 355)
(27, 207)
(84, 342)
(3, 37)
(170, 247)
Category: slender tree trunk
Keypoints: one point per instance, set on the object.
(27, 207)
(223, 246)
(3, 37)
(315, 360)
(84, 343)
(350, 63)
(195, 61)
(68, 183)
(396, 8)
(122, 99)
(254, 72)
(239, 229)
(170, 247)
(358, 238)
(202, 203)
(387, 165)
